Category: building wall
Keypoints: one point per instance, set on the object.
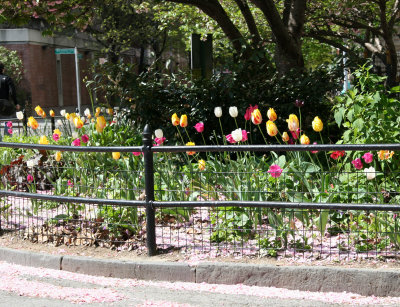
(40, 75)
(39, 60)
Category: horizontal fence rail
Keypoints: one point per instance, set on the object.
(193, 210)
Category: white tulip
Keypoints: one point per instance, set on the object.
(62, 112)
(20, 115)
(233, 111)
(87, 112)
(218, 111)
(159, 133)
(370, 173)
(237, 135)
(75, 135)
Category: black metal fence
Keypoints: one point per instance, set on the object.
(132, 203)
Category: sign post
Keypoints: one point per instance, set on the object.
(74, 51)
(78, 83)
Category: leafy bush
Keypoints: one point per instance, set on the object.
(368, 111)
(153, 97)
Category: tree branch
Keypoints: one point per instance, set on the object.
(248, 16)
(214, 10)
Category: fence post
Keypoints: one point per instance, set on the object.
(25, 123)
(149, 190)
(53, 124)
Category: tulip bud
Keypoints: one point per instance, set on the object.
(58, 156)
(218, 112)
(183, 121)
(175, 119)
(202, 165)
(272, 130)
(317, 124)
(190, 144)
(272, 115)
(233, 112)
(256, 117)
(285, 137)
(293, 122)
(304, 140)
(116, 155)
(199, 127)
(159, 133)
(20, 115)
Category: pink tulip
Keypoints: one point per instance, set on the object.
(29, 178)
(230, 139)
(249, 110)
(85, 138)
(70, 183)
(137, 153)
(159, 141)
(275, 170)
(10, 131)
(244, 134)
(357, 163)
(368, 157)
(199, 127)
(9, 124)
(56, 137)
(76, 142)
(314, 151)
(296, 134)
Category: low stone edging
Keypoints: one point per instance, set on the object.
(377, 282)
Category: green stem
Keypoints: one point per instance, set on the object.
(265, 140)
(222, 131)
(183, 141)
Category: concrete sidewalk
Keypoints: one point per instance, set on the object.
(368, 282)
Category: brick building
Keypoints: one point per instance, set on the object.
(49, 78)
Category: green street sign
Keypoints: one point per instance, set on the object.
(68, 51)
(65, 50)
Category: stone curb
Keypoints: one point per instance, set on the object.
(377, 282)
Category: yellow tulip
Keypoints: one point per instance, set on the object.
(43, 140)
(110, 111)
(78, 122)
(40, 111)
(317, 124)
(190, 144)
(272, 115)
(202, 165)
(272, 130)
(116, 155)
(32, 122)
(285, 137)
(57, 131)
(67, 116)
(293, 122)
(175, 119)
(100, 124)
(98, 110)
(256, 117)
(52, 114)
(183, 121)
(304, 140)
(58, 156)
